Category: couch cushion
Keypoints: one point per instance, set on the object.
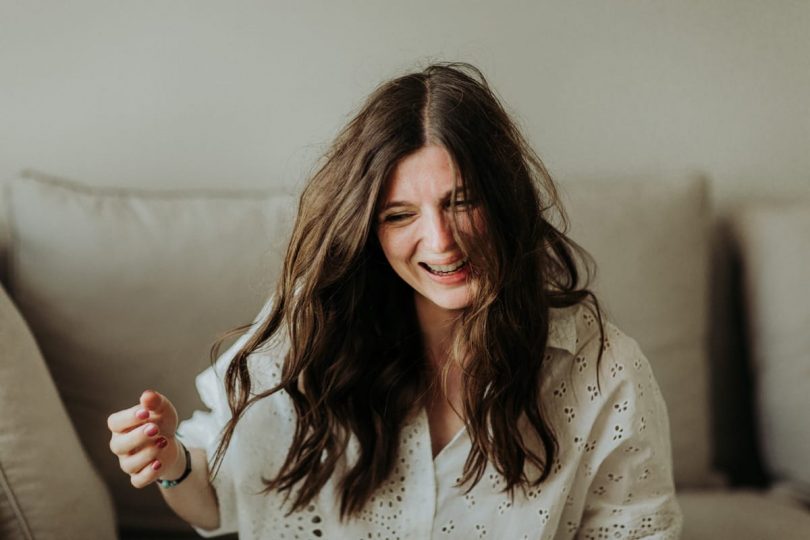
(126, 290)
(741, 515)
(773, 239)
(47, 484)
(650, 237)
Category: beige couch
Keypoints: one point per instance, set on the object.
(109, 292)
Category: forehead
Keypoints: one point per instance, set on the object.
(427, 172)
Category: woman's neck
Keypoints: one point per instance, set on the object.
(436, 325)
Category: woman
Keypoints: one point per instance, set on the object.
(429, 364)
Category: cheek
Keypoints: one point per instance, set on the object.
(394, 245)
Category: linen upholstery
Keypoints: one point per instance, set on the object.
(651, 251)
(47, 483)
(741, 515)
(126, 290)
(773, 243)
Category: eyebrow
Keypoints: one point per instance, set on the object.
(446, 196)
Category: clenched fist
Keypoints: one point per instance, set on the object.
(143, 438)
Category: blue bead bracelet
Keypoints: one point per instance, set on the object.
(166, 484)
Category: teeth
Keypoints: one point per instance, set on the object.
(447, 267)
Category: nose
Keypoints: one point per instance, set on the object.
(437, 233)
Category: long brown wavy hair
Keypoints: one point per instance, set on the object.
(355, 365)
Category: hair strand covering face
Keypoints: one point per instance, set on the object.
(355, 364)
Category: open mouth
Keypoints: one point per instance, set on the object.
(444, 269)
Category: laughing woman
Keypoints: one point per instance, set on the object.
(429, 365)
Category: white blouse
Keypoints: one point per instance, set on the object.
(612, 479)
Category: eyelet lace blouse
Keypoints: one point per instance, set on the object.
(612, 478)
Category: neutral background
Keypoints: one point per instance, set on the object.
(248, 94)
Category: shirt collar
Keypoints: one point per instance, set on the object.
(562, 329)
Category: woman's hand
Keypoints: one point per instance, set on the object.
(143, 439)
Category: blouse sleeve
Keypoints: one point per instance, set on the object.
(632, 492)
(204, 429)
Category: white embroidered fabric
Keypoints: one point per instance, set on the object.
(612, 479)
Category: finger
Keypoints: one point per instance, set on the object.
(161, 410)
(153, 401)
(132, 464)
(148, 474)
(122, 444)
(124, 421)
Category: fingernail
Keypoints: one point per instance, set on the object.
(142, 414)
(156, 465)
(162, 442)
(151, 430)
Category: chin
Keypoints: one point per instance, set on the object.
(449, 302)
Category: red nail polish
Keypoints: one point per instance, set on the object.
(151, 431)
(142, 414)
(156, 465)
(162, 442)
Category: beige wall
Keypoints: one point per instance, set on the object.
(204, 93)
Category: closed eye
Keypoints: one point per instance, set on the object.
(396, 217)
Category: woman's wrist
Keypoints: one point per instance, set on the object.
(176, 472)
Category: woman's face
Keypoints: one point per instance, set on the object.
(414, 228)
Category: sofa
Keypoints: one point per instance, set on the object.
(110, 291)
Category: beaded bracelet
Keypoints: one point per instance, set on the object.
(166, 484)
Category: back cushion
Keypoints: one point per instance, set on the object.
(649, 237)
(126, 290)
(773, 240)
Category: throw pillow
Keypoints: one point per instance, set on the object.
(47, 483)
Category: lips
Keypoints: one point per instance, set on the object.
(456, 277)
(446, 268)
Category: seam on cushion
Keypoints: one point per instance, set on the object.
(187, 193)
(15, 506)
